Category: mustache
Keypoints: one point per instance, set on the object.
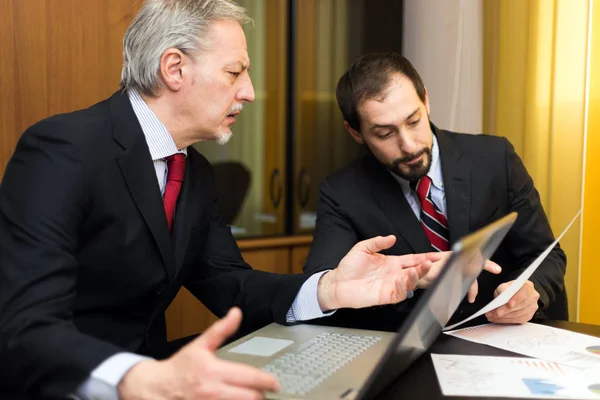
(237, 107)
(410, 157)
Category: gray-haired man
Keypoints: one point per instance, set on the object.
(106, 212)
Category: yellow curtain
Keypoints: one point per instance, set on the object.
(589, 299)
(535, 63)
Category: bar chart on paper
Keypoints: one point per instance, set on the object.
(460, 375)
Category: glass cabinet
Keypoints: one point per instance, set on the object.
(292, 136)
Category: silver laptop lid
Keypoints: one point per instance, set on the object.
(434, 309)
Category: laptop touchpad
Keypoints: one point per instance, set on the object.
(261, 346)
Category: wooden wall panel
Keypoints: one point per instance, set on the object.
(31, 94)
(298, 257)
(120, 14)
(186, 316)
(76, 69)
(8, 123)
(57, 56)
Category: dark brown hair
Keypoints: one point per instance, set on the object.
(368, 78)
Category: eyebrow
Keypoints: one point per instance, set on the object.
(238, 64)
(377, 126)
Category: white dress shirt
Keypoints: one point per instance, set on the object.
(438, 193)
(103, 381)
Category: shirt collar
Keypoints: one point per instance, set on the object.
(158, 138)
(435, 170)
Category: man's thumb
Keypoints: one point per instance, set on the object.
(218, 332)
(501, 288)
(376, 244)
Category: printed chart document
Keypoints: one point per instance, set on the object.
(544, 342)
(505, 296)
(511, 377)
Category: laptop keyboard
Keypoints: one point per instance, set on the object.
(316, 360)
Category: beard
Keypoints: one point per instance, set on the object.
(224, 137)
(412, 172)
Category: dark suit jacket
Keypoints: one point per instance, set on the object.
(484, 180)
(87, 264)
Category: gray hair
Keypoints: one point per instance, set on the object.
(165, 24)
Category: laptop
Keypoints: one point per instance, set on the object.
(322, 362)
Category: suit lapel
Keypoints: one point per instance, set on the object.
(388, 195)
(456, 170)
(140, 177)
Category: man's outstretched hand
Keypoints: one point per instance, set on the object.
(194, 372)
(366, 278)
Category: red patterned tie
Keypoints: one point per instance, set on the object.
(175, 174)
(433, 221)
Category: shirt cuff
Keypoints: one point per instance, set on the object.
(104, 380)
(306, 304)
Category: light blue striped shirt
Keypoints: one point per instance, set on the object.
(103, 381)
(159, 140)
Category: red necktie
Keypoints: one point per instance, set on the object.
(175, 174)
(433, 221)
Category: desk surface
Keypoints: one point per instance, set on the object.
(420, 381)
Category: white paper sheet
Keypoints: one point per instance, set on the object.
(544, 342)
(511, 377)
(505, 296)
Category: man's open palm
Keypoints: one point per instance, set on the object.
(366, 278)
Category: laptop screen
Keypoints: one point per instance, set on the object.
(434, 309)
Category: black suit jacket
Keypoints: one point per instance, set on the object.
(87, 264)
(484, 179)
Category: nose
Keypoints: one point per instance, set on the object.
(406, 143)
(246, 92)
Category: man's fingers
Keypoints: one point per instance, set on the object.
(521, 297)
(437, 255)
(515, 317)
(492, 267)
(505, 310)
(509, 308)
(218, 332)
(434, 257)
(404, 285)
(499, 312)
(376, 244)
(526, 294)
(501, 288)
(415, 260)
(408, 281)
(226, 392)
(248, 377)
(522, 314)
(422, 269)
(410, 260)
(472, 293)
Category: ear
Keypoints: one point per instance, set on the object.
(427, 102)
(171, 68)
(355, 135)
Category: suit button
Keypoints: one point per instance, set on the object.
(160, 290)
